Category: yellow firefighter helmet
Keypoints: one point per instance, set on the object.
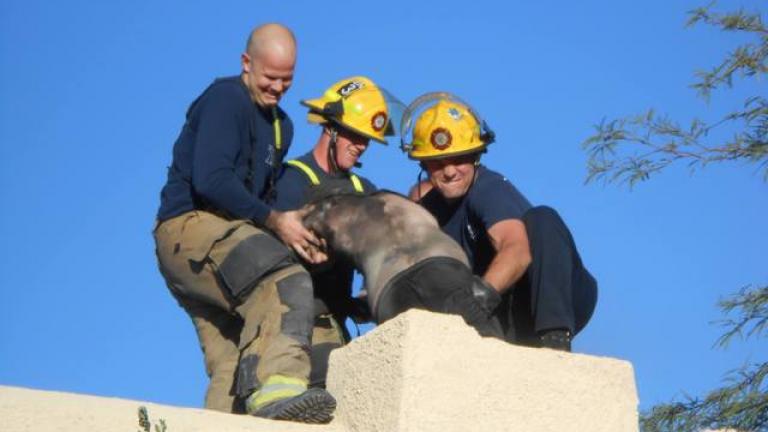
(438, 125)
(356, 104)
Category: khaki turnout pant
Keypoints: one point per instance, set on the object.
(250, 302)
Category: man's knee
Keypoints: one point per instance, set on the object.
(281, 302)
(542, 216)
(546, 230)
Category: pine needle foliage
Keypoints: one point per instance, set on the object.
(629, 150)
(742, 402)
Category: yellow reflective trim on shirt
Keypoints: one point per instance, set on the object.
(356, 183)
(315, 180)
(276, 127)
(307, 170)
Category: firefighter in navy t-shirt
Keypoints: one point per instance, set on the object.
(534, 280)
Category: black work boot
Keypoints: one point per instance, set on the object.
(313, 406)
(556, 339)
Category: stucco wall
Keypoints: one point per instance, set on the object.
(419, 372)
(430, 372)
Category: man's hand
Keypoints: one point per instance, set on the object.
(288, 226)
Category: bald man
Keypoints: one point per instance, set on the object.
(222, 249)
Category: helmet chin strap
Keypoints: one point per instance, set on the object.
(476, 166)
(418, 180)
(332, 150)
(332, 164)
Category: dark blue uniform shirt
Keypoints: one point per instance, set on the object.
(294, 188)
(224, 159)
(491, 199)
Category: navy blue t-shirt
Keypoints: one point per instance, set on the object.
(294, 188)
(491, 199)
(225, 158)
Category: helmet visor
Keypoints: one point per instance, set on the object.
(396, 110)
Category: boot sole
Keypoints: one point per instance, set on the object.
(315, 408)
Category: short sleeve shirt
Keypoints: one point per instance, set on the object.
(491, 199)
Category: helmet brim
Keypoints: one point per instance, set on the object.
(353, 130)
(478, 150)
(315, 116)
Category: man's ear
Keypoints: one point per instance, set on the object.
(245, 62)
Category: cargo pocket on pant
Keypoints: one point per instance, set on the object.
(252, 258)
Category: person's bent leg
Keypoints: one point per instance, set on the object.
(585, 298)
(244, 258)
(554, 278)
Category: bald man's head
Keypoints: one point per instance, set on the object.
(268, 63)
(271, 35)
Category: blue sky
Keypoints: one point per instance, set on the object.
(93, 94)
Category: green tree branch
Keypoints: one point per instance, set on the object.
(742, 403)
(629, 150)
(751, 305)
